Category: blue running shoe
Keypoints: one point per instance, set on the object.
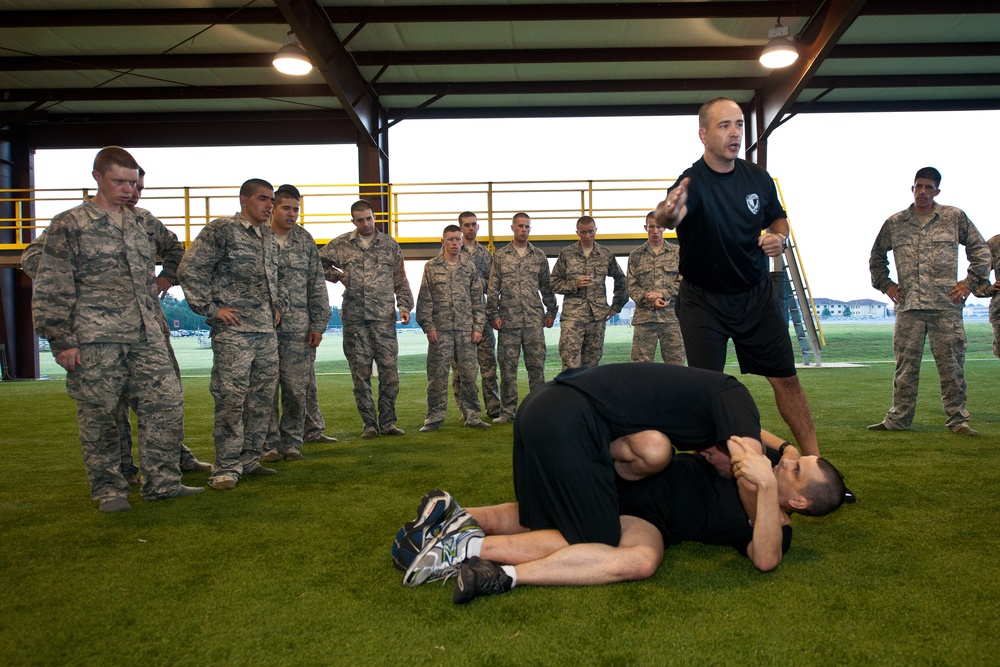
(443, 553)
(435, 509)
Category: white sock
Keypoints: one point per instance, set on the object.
(474, 547)
(511, 572)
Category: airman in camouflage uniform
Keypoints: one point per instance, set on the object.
(95, 301)
(652, 282)
(992, 292)
(924, 240)
(370, 265)
(170, 251)
(230, 275)
(520, 272)
(451, 312)
(486, 349)
(580, 275)
(301, 330)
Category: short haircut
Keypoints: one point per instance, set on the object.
(707, 107)
(651, 220)
(521, 215)
(451, 228)
(929, 173)
(110, 156)
(467, 214)
(826, 496)
(585, 220)
(361, 205)
(287, 191)
(250, 187)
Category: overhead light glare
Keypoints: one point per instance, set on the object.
(780, 50)
(291, 59)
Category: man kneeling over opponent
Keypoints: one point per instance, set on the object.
(490, 551)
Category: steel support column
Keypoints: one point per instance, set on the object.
(17, 335)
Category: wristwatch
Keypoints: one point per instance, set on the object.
(784, 241)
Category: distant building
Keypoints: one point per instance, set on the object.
(972, 310)
(858, 309)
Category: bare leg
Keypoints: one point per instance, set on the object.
(507, 541)
(498, 519)
(794, 408)
(523, 548)
(637, 556)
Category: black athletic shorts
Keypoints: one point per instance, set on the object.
(564, 476)
(752, 319)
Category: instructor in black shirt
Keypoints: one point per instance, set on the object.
(725, 203)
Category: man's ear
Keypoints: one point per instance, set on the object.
(798, 503)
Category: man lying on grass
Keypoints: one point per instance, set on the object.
(490, 551)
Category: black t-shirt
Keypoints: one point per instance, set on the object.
(690, 501)
(695, 408)
(725, 215)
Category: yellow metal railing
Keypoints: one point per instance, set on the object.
(416, 211)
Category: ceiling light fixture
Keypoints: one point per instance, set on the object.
(291, 59)
(780, 50)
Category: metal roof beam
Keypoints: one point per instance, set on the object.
(163, 93)
(307, 90)
(189, 129)
(474, 13)
(313, 29)
(814, 44)
(494, 56)
(412, 14)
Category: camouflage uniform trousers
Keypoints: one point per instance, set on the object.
(295, 371)
(314, 422)
(454, 348)
(244, 382)
(144, 370)
(947, 336)
(510, 342)
(486, 353)
(581, 344)
(363, 344)
(996, 339)
(668, 334)
(129, 468)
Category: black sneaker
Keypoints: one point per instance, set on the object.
(480, 577)
(435, 509)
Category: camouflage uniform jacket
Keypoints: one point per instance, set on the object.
(168, 248)
(230, 266)
(451, 296)
(32, 255)
(588, 304)
(483, 259)
(986, 290)
(95, 282)
(374, 279)
(927, 257)
(652, 272)
(514, 285)
(302, 274)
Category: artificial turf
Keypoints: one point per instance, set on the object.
(295, 569)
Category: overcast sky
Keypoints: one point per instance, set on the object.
(840, 175)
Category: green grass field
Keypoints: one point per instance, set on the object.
(295, 569)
